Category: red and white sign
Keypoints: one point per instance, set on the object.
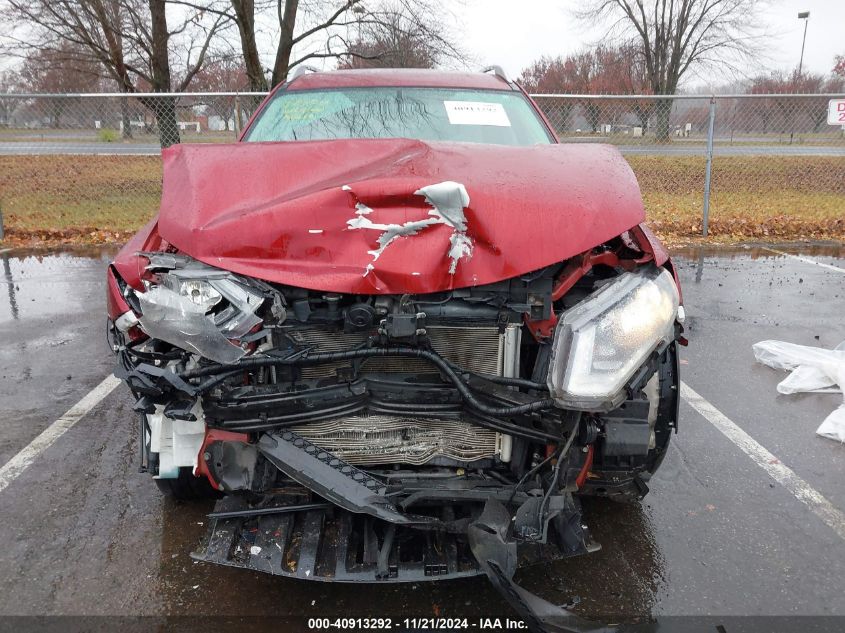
(836, 112)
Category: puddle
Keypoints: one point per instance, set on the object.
(820, 250)
(41, 284)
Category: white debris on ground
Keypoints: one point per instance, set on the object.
(813, 370)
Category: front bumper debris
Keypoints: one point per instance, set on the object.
(324, 542)
(319, 541)
(497, 556)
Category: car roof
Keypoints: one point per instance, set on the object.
(402, 77)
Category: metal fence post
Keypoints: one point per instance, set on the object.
(2, 232)
(708, 169)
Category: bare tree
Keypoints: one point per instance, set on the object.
(402, 35)
(600, 70)
(10, 82)
(678, 36)
(802, 114)
(550, 75)
(130, 40)
(222, 74)
(319, 17)
(63, 71)
(324, 29)
(632, 79)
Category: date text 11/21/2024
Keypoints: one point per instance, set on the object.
(427, 623)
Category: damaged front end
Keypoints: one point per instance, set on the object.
(403, 437)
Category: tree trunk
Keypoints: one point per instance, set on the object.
(245, 19)
(222, 108)
(164, 107)
(124, 116)
(643, 114)
(662, 127)
(168, 125)
(593, 113)
(282, 64)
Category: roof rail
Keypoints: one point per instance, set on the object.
(301, 70)
(498, 71)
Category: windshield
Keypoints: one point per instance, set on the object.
(429, 114)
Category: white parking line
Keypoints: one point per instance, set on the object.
(20, 462)
(806, 260)
(785, 476)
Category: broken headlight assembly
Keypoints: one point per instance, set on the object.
(201, 309)
(600, 343)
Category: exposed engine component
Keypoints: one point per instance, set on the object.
(478, 349)
(382, 439)
(359, 317)
(418, 411)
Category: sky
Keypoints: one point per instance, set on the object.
(513, 34)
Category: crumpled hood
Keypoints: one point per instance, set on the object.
(390, 216)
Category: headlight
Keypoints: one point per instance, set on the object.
(179, 311)
(196, 291)
(600, 343)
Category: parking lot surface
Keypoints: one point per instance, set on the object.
(722, 532)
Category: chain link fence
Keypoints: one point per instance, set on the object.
(42, 123)
(746, 164)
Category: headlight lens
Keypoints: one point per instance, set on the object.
(600, 343)
(178, 311)
(197, 291)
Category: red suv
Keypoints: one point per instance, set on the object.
(400, 330)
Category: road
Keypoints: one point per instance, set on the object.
(15, 148)
(85, 534)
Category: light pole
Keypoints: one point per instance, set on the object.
(359, 12)
(803, 15)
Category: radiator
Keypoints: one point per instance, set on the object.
(384, 439)
(478, 349)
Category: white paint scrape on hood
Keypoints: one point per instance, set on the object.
(448, 200)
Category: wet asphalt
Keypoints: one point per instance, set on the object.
(84, 533)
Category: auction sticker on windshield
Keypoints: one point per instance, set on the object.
(835, 112)
(476, 113)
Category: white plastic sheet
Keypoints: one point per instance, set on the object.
(813, 370)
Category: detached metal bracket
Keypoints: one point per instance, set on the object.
(497, 557)
(332, 478)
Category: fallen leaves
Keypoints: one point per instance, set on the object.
(31, 238)
(744, 216)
